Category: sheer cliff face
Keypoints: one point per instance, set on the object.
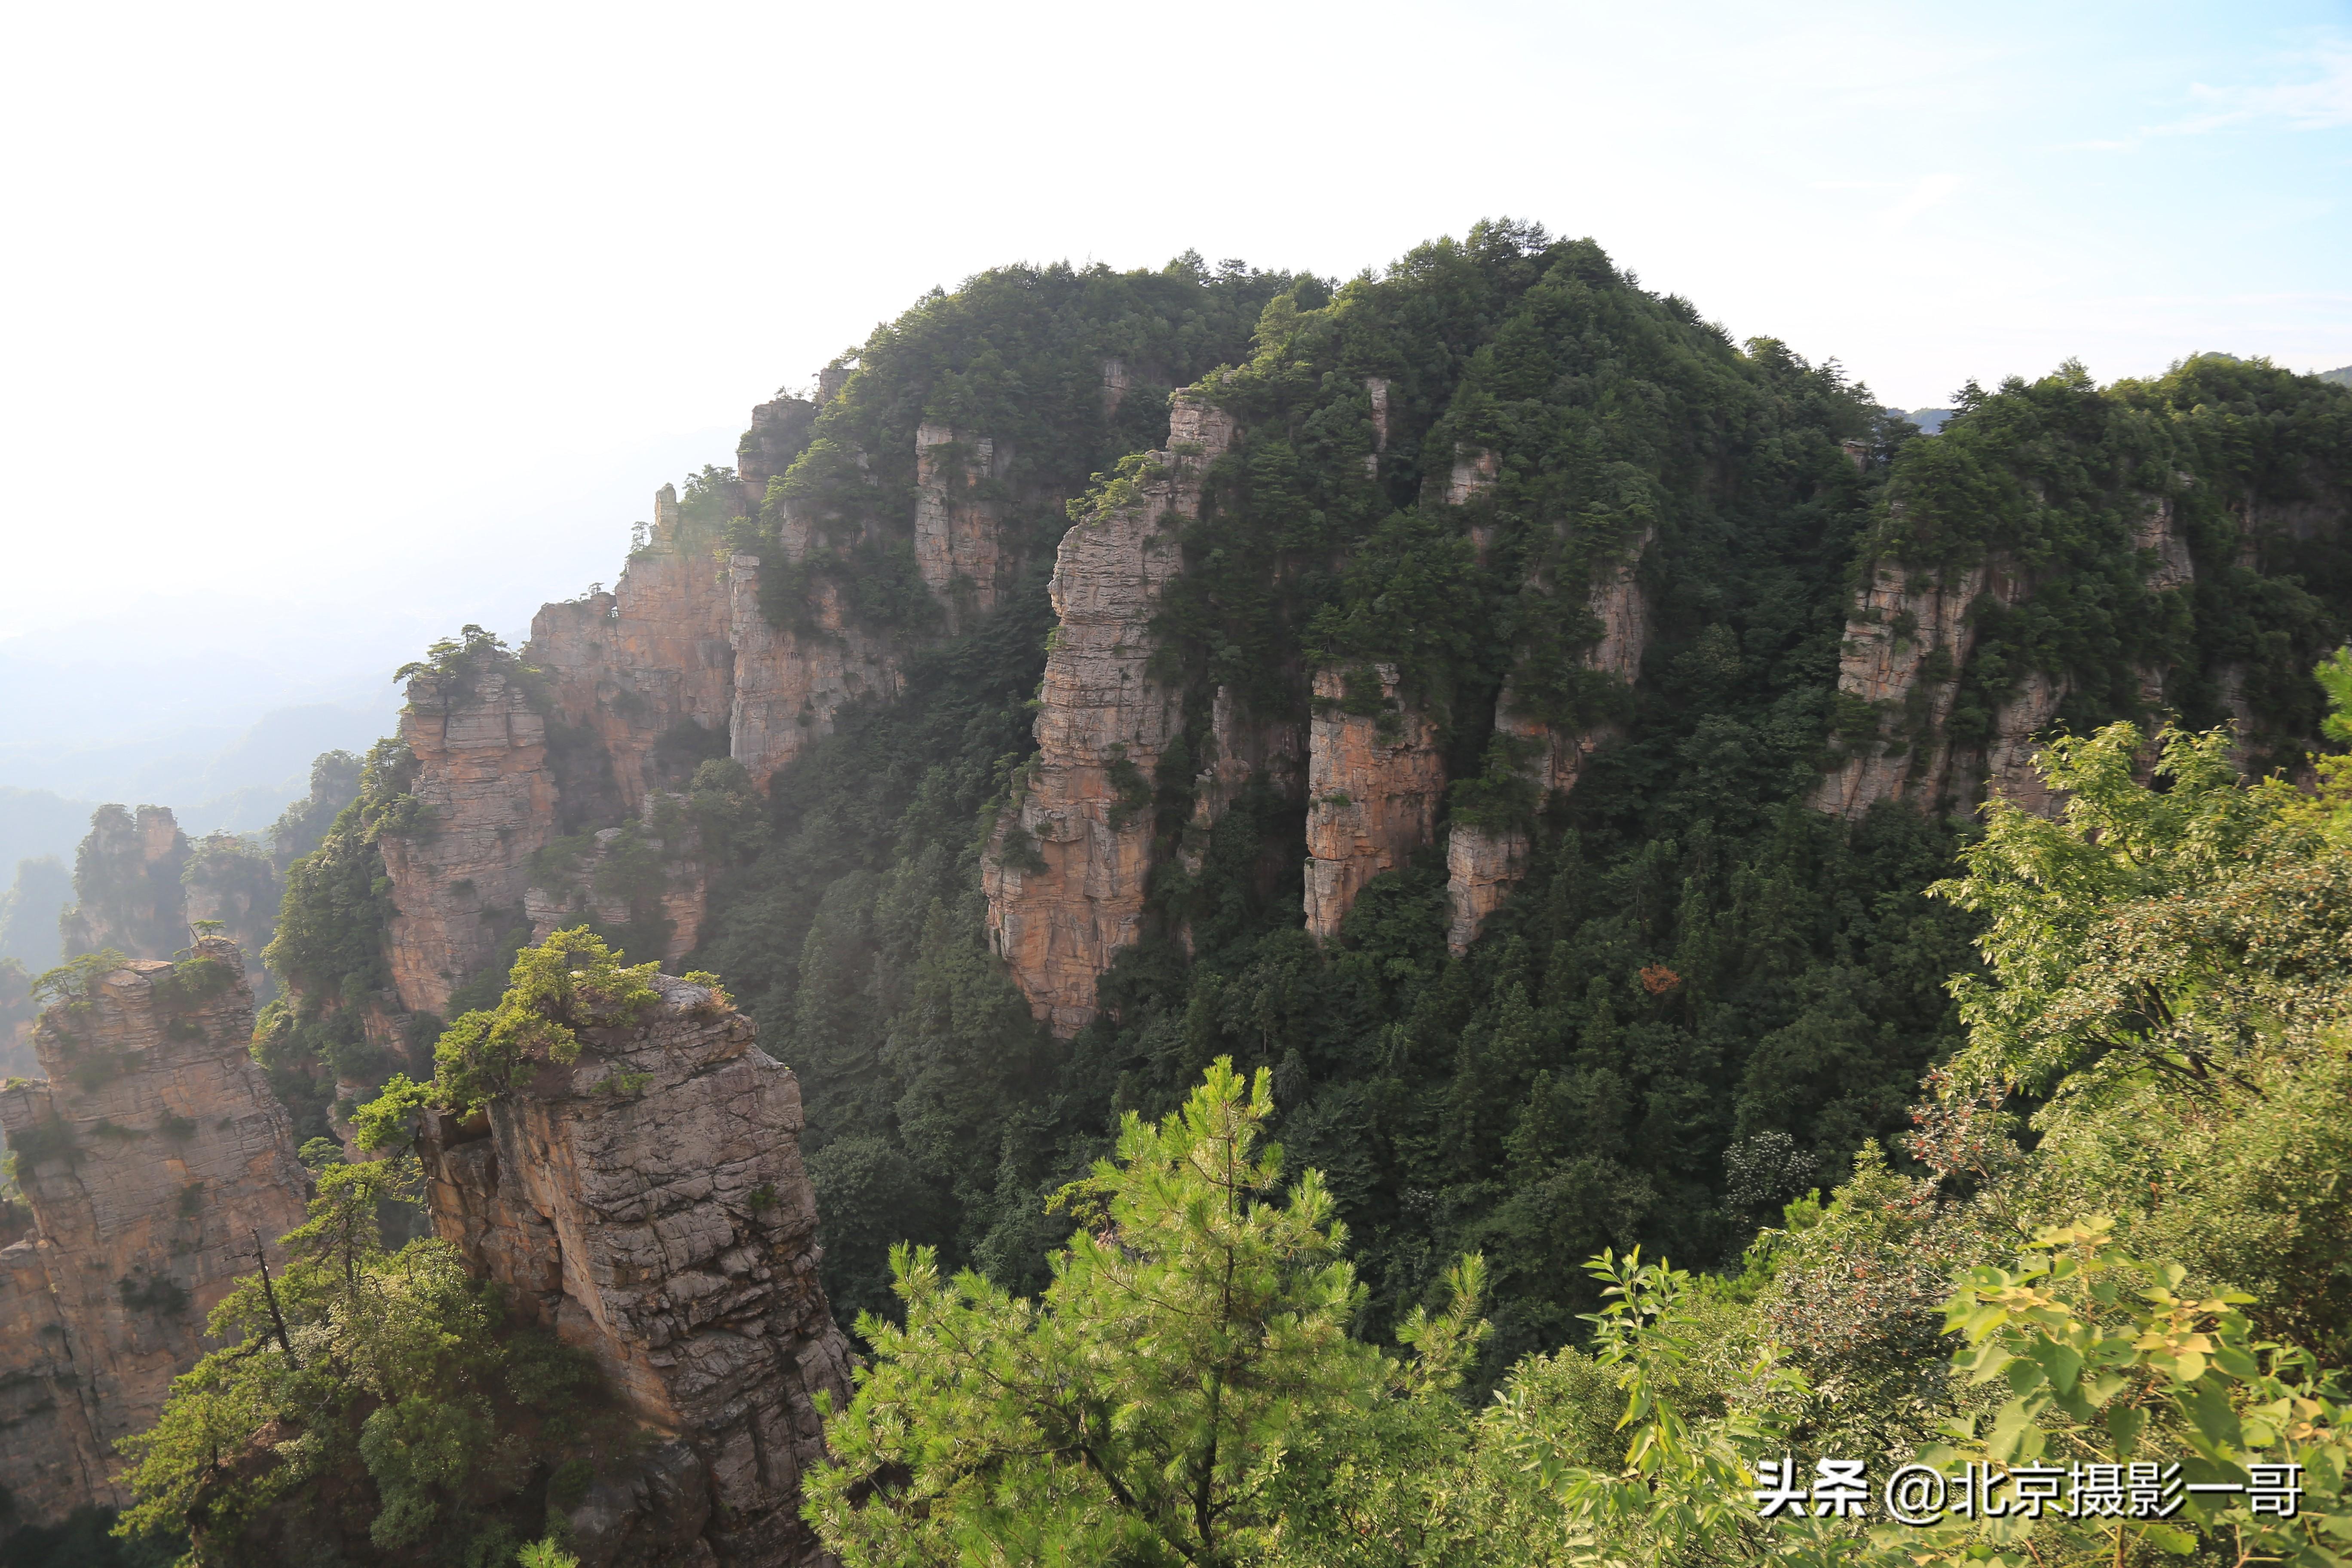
(1904, 646)
(958, 519)
(632, 666)
(1373, 782)
(1064, 874)
(127, 886)
(151, 1157)
(1908, 643)
(487, 799)
(649, 1205)
(792, 681)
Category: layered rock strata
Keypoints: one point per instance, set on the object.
(1373, 781)
(1066, 866)
(958, 519)
(791, 682)
(127, 886)
(632, 666)
(1904, 646)
(649, 1204)
(485, 800)
(150, 1158)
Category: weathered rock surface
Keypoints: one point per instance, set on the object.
(958, 519)
(228, 881)
(486, 800)
(1904, 646)
(1373, 781)
(2017, 726)
(1065, 871)
(791, 682)
(632, 666)
(1482, 866)
(150, 1158)
(649, 1205)
(127, 886)
(1483, 863)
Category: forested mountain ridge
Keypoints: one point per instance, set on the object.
(1518, 721)
(1492, 571)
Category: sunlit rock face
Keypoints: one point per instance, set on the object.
(154, 1159)
(1067, 866)
(649, 1205)
(1373, 782)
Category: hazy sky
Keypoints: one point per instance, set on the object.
(328, 326)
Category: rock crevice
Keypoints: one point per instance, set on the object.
(1066, 866)
(648, 1204)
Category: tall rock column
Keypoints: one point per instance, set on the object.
(1484, 863)
(127, 885)
(485, 800)
(1066, 870)
(957, 519)
(1373, 781)
(649, 1204)
(1905, 645)
(793, 680)
(149, 1157)
(631, 666)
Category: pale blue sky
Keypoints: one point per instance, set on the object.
(360, 323)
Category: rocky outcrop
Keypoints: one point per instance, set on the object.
(151, 1157)
(1373, 780)
(792, 681)
(2011, 772)
(958, 519)
(1484, 862)
(648, 1204)
(632, 666)
(780, 432)
(127, 886)
(485, 800)
(1904, 646)
(1066, 866)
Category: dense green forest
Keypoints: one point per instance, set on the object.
(1839, 1073)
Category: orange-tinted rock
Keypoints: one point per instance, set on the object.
(632, 666)
(1065, 871)
(958, 519)
(1373, 781)
(486, 801)
(667, 1228)
(149, 1157)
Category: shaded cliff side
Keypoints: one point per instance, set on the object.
(649, 1206)
(150, 1159)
